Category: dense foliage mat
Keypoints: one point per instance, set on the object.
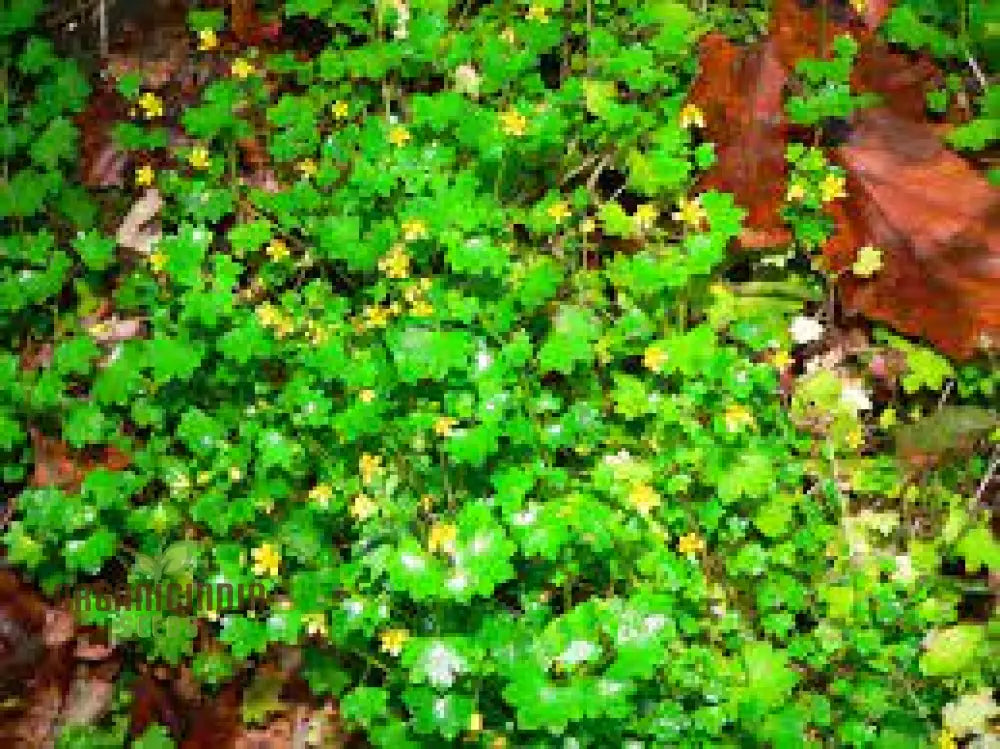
(428, 330)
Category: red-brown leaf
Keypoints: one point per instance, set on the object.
(938, 223)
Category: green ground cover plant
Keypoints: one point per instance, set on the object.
(467, 376)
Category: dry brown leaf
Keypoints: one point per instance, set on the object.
(937, 222)
(132, 233)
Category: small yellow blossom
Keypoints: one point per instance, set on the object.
(513, 123)
(654, 358)
(399, 136)
(690, 212)
(266, 560)
(859, 6)
(508, 35)
(587, 225)
(444, 425)
(692, 116)
(157, 261)
(207, 40)
(363, 507)
(376, 316)
(203, 478)
(151, 104)
(396, 263)
(307, 168)
(537, 13)
(369, 466)
(198, 158)
(277, 250)
(144, 175)
(442, 538)
(690, 544)
(421, 308)
(321, 494)
(645, 216)
(946, 740)
(559, 211)
(340, 109)
(796, 191)
(241, 68)
(868, 262)
(856, 438)
(427, 503)
(235, 473)
(737, 416)
(781, 359)
(318, 332)
(414, 229)
(315, 623)
(832, 187)
(392, 641)
(367, 395)
(644, 498)
(476, 722)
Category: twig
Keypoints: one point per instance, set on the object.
(991, 470)
(945, 393)
(977, 71)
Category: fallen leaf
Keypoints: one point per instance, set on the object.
(937, 221)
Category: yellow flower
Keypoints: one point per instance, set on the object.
(444, 425)
(266, 560)
(587, 225)
(307, 168)
(207, 40)
(315, 623)
(363, 507)
(144, 175)
(476, 722)
(198, 158)
(376, 317)
(157, 261)
(367, 395)
(399, 136)
(690, 544)
(832, 187)
(796, 191)
(235, 474)
(690, 212)
(737, 416)
(427, 503)
(654, 358)
(946, 740)
(644, 498)
(513, 123)
(860, 6)
(645, 216)
(508, 35)
(321, 494)
(442, 538)
(422, 308)
(414, 229)
(369, 466)
(692, 116)
(559, 211)
(392, 641)
(396, 263)
(868, 262)
(537, 13)
(781, 359)
(339, 109)
(152, 105)
(856, 438)
(277, 250)
(241, 68)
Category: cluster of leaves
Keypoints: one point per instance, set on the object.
(464, 380)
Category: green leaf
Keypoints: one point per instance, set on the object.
(952, 650)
